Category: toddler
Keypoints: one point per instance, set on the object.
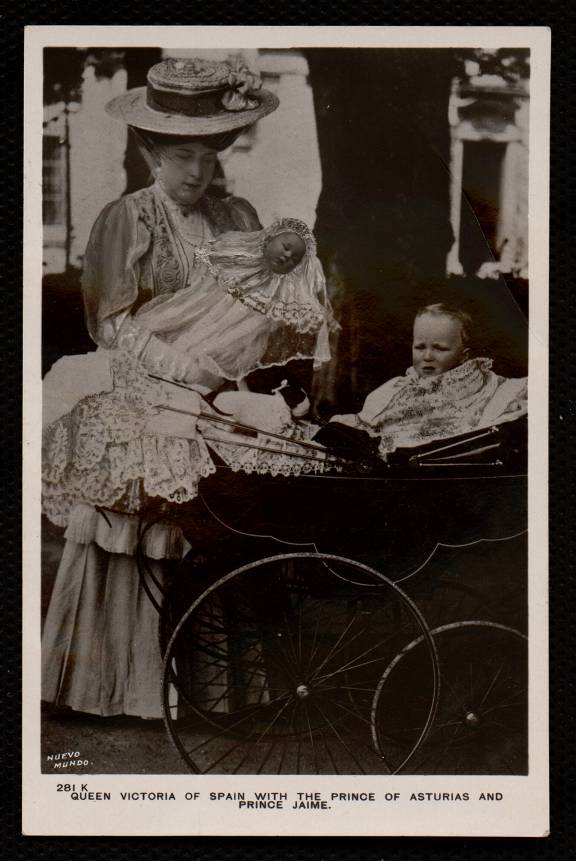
(446, 391)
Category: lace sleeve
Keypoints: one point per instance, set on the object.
(110, 278)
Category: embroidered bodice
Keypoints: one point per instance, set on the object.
(141, 247)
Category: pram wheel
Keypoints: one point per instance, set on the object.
(274, 668)
(481, 723)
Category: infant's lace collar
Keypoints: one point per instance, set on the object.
(468, 372)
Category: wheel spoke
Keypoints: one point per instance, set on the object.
(353, 713)
(266, 757)
(253, 639)
(300, 662)
(347, 688)
(225, 755)
(311, 737)
(491, 685)
(513, 703)
(348, 668)
(339, 737)
(234, 725)
(272, 722)
(330, 756)
(291, 645)
(351, 665)
(338, 641)
(456, 745)
(313, 647)
(446, 681)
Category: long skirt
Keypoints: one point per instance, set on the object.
(101, 652)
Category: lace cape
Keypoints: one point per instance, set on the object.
(104, 452)
(116, 449)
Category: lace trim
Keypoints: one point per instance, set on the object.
(101, 454)
(297, 298)
(263, 460)
(464, 379)
(304, 318)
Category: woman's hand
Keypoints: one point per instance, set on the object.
(163, 360)
(181, 368)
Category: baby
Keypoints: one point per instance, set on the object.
(114, 431)
(284, 251)
(444, 393)
(254, 300)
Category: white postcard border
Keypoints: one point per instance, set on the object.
(524, 808)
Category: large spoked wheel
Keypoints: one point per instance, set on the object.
(481, 723)
(273, 669)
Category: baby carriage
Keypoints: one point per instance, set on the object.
(368, 619)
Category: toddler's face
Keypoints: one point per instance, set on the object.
(284, 252)
(437, 346)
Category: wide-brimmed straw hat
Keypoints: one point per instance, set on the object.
(194, 96)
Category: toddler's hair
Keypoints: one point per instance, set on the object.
(442, 309)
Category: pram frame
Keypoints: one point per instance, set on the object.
(362, 471)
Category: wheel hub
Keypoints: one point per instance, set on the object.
(302, 691)
(471, 719)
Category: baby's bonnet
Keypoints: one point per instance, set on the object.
(297, 298)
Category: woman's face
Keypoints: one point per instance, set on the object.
(185, 170)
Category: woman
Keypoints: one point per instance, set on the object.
(100, 645)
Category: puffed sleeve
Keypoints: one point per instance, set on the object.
(110, 278)
(243, 214)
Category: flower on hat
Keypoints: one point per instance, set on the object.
(241, 82)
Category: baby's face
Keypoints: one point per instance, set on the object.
(284, 252)
(437, 346)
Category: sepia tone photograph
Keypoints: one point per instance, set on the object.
(285, 300)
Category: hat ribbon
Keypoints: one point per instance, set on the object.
(233, 97)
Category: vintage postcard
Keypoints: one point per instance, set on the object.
(285, 424)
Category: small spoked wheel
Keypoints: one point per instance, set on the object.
(481, 723)
(274, 668)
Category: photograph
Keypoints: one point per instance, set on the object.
(284, 306)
